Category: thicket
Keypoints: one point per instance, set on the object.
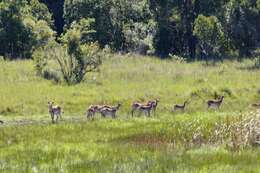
(229, 26)
(193, 29)
(24, 26)
(72, 58)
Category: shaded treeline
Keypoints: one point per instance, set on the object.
(194, 29)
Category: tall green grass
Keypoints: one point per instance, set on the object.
(114, 146)
(127, 79)
(166, 142)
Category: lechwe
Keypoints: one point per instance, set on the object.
(55, 111)
(135, 106)
(178, 107)
(106, 111)
(215, 103)
(146, 109)
(154, 104)
(93, 109)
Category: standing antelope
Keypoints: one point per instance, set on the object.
(154, 104)
(146, 109)
(135, 106)
(110, 111)
(54, 111)
(91, 112)
(180, 107)
(215, 103)
(93, 109)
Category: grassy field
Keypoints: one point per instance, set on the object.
(166, 142)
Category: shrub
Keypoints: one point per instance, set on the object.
(211, 39)
(23, 28)
(73, 57)
(257, 62)
(55, 60)
(40, 60)
(139, 37)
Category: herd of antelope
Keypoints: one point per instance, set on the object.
(146, 108)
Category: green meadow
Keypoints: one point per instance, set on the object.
(197, 140)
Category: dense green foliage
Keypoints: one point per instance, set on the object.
(24, 26)
(174, 27)
(141, 26)
(210, 35)
(72, 58)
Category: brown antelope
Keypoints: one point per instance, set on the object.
(215, 103)
(105, 111)
(93, 109)
(54, 111)
(90, 112)
(146, 109)
(256, 105)
(154, 104)
(135, 106)
(180, 107)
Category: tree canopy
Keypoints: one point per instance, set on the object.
(194, 29)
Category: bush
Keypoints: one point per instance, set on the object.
(139, 37)
(23, 30)
(40, 60)
(211, 39)
(56, 62)
(257, 62)
(72, 58)
(51, 74)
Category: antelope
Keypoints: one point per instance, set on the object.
(110, 111)
(91, 111)
(1, 122)
(135, 106)
(154, 104)
(215, 103)
(146, 109)
(180, 107)
(54, 111)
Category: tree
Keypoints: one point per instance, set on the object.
(42, 33)
(40, 12)
(23, 27)
(164, 34)
(258, 4)
(86, 28)
(56, 9)
(211, 38)
(78, 59)
(139, 37)
(74, 58)
(242, 23)
(17, 38)
(111, 18)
